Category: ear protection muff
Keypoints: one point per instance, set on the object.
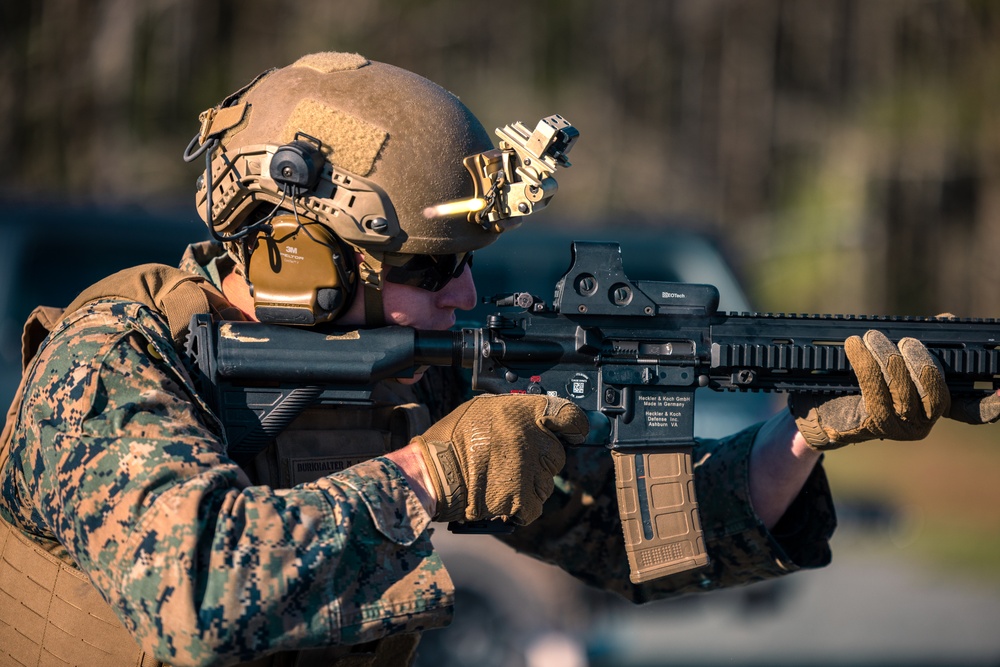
(300, 272)
(300, 257)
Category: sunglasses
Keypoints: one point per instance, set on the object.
(429, 272)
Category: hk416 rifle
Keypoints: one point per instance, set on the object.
(632, 354)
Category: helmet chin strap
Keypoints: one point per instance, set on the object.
(374, 308)
(370, 269)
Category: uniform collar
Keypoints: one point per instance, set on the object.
(209, 260)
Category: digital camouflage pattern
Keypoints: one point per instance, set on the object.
(116, 461)
(118, 467)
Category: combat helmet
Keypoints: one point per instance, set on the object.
(338, 156)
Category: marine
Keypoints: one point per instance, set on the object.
(344, 192)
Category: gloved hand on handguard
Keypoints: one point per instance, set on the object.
(903, 393)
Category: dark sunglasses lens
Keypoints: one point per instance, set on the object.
(429, 272)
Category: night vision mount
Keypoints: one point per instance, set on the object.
(516, 178)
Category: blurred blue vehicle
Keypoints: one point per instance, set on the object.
(50, 253)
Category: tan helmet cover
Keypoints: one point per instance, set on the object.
(390, 127)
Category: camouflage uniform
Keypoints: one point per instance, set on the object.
(118, 467)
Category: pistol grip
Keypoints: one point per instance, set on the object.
(659, 512)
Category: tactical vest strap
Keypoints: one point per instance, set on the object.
(177, 294)
(408, 421)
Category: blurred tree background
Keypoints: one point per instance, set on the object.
(847, 151)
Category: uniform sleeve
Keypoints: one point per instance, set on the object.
(581, 532)
(115, 461)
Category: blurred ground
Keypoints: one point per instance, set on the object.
(864, 610)
(915, 578)
(942, 496)
(875, 606)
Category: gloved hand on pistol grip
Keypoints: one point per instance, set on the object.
(495, 455)
(903, 393)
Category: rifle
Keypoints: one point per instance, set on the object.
(632, 354)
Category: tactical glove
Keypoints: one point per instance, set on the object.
(979, 410)
(903, 393)
(495, 455)
(984, 410)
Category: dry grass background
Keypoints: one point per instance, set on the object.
(945, 491)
